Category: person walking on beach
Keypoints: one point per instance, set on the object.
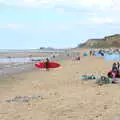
(91, 53)
(78, 58)
(46, 64)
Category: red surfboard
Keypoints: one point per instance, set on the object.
(50, 65)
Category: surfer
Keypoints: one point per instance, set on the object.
(46, 64)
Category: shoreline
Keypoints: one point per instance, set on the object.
(7, 69)
(22, 54)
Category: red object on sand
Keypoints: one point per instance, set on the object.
(110, 72)
(50, 65)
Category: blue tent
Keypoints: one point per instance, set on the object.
(112, 57)
(85, 54)
(99, 54)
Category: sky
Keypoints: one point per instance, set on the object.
(31, 24)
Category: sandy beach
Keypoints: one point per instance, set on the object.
(63, 95)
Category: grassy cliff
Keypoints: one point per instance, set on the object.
(106, 42)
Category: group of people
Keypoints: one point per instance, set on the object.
(92, 52)
(115, 72)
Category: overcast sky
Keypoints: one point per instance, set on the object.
(26, 24)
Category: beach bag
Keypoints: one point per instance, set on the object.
(102, 80)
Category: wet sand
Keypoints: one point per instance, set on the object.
(63, 95)
(22, 54)
(15, 68)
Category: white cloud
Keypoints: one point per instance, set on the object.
(93, 7)
(80, 22)
(103, 5)
(94, 4)
(20, 26)
(97, 20)
(12, 26)
(77, 2)
(60, 10)
(86, 3)
(54, 28)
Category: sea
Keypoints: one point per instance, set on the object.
(15, 60)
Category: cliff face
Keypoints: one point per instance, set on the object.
(106, 42)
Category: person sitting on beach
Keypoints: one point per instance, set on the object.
(46, 64)
(114, 68)
(114, 72)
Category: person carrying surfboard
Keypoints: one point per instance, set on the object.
(46, 64)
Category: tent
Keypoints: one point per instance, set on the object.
(112, 57)
(97, 54)
(85, 54)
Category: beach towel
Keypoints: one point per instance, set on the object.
(87, 77)
(21, 99)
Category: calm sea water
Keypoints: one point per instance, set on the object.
(18, 60)
(30, 50)
(7, 60)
